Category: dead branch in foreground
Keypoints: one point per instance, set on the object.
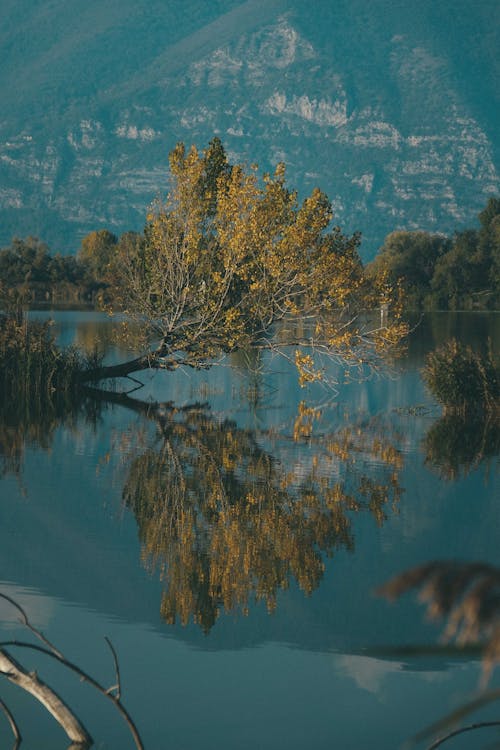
(13, 724)
(30, 682)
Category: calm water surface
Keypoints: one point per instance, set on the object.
(231, 552)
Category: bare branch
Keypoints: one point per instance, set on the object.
(117, 687)
(54, 704)
(12, 722)
(457, 715)
(27, 623)
(462, 730)
(85, 677)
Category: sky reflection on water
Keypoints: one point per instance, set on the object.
(302, 676)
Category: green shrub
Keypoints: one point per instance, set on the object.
(462, 379)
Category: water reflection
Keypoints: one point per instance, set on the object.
(431, 330)
(228, 516)
(31, 420)
(225, 522)
(72, 544)
(457, 444)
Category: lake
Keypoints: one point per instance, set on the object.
(230, 544)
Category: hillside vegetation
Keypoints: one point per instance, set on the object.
(348, 94)
(461, 272)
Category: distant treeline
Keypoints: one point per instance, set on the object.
(442, 273)
(29, 272)
(436, 272)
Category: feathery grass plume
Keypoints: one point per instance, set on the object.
(466, 595)
(31, 362)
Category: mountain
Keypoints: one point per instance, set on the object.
(389, 106)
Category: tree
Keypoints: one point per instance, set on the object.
(412, 257)
(29, 271)
(97, 251)
(461, 272)
(452, 273)
(227, 256)
(488, 253)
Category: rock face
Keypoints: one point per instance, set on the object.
(388, 106)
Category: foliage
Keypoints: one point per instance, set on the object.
(225, 522)
(459, 280)
(457, 443)
(29, 272)
(467, 596)
(461, 378)
(32, 365)
(39, 388)
(442, 273)
(97, 250)
(412, 257)
(227, 256)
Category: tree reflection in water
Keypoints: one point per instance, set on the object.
(225, 522)
(32, 419)
(228, 516)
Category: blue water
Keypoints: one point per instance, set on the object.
(325, 670)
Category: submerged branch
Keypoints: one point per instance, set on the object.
(121, 370)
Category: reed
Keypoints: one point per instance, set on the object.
(462, 379)
(32, 364)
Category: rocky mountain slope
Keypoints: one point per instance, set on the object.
(388, 106)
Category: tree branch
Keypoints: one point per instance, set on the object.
(30, 682)
(86, 678)
(28, 624)
(12, 722)
(462, 730)
(117, 687)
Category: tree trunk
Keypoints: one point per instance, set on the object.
(123, 369)
(30, 682)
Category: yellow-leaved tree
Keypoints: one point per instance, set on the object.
(230, 254)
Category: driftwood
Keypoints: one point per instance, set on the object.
(31, 683)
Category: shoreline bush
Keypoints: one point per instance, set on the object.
(461, 379)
